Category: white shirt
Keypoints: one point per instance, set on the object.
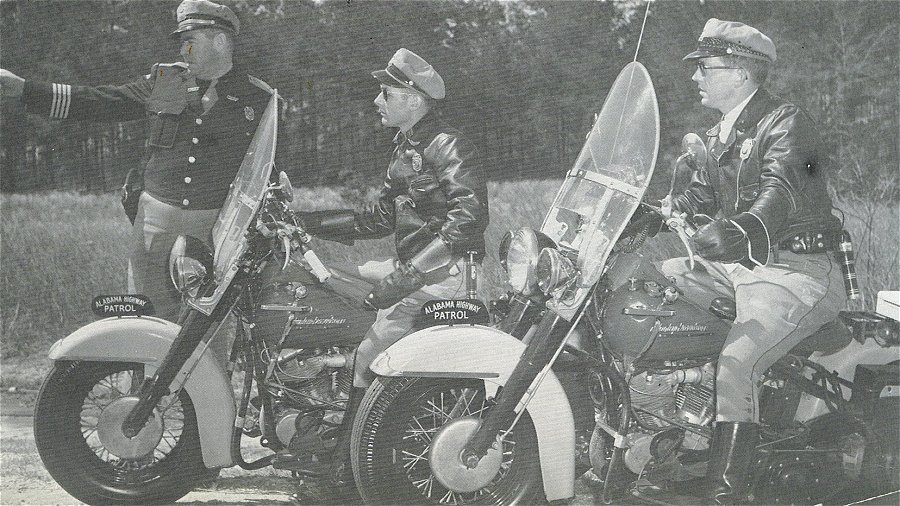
(730, 117)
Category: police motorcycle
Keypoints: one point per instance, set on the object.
(137, 410)
(600, 363)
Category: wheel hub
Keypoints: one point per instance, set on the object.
(445, 457)
(109, 430)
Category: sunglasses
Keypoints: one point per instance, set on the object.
(386, 91)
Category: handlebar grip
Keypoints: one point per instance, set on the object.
(318, 268)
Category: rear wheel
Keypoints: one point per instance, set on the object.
(77, 431)
(401, 455)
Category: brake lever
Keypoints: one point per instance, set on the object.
(685, 230)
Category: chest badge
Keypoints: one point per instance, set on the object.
(232, 98)
(746, 147)
(416, 161)
(249, 113)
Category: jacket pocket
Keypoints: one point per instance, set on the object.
(163, 128)
(422, 186)
(747, 195)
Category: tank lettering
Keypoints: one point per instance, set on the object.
(331, 320)
(683, 327)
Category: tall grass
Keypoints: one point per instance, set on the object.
(59, 250)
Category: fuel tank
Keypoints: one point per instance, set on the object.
(313, 314)
(646, 319)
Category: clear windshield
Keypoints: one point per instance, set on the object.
(242, 204)
(610, 175)
(247, 192)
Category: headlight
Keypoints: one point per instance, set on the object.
(553, 270)
(190, 265)
(519, 254)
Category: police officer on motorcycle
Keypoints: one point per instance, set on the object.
(768, 244)
(434, 199)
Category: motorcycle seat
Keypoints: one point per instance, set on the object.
(829, 338)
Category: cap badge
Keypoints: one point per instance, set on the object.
(249, 113)
(417, 161)
(746, 147)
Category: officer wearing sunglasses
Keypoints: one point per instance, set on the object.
(434, 199)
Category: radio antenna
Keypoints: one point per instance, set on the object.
(641, 35)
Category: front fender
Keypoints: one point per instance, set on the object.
(489, 354)
(146, 340)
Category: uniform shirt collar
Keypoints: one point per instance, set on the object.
(728, 120)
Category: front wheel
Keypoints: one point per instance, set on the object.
(77, 424)
(398, 437)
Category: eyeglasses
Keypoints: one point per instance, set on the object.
(703, 68)
(384, 92)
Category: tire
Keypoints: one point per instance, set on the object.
(66, 420)
(398, 407)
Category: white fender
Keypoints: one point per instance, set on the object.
(146, 340)
(844, 362)
(466, 351)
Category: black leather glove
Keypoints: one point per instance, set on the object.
(743, 237)
(395, 287)
(721, 241)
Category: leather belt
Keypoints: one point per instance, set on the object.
(811, 242)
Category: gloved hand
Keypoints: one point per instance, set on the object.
(393, 288)
(722, 241)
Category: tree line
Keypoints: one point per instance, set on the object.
(524, 79)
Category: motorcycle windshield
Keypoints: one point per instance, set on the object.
(247, 192)
(608, 180)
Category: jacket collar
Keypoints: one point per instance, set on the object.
(761, 104)
(422, 132)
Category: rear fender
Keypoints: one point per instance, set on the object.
(146, 340)
(491, 355)
(843, 362)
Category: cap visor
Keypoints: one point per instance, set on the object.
(386, 79)
(702, 53)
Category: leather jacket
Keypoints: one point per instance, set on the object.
(773, 166)
(435, 187)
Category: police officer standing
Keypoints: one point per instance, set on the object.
(434, 199)
(769, 245)
(203, 113)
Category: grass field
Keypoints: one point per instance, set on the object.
(59, 250)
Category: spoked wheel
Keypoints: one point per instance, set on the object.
(407, 438)
(77, 429)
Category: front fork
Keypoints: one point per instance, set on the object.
(194, 326)
(536, 356)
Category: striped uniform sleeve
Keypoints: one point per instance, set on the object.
(88, 103)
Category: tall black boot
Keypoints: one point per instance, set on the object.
(731, 457)
(341, 472)
(338, 487)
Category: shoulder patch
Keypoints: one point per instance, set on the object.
(259, 83)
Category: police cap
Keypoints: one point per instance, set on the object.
(409, 70)
(197, 14)
(724, 38)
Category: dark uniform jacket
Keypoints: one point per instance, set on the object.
(772, 166)
(193, 156)
(435, 187)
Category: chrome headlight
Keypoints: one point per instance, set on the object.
(518, 256)
(553, 270)
(190, 265)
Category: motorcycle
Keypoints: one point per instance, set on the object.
(602, 364)
(137, 410)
